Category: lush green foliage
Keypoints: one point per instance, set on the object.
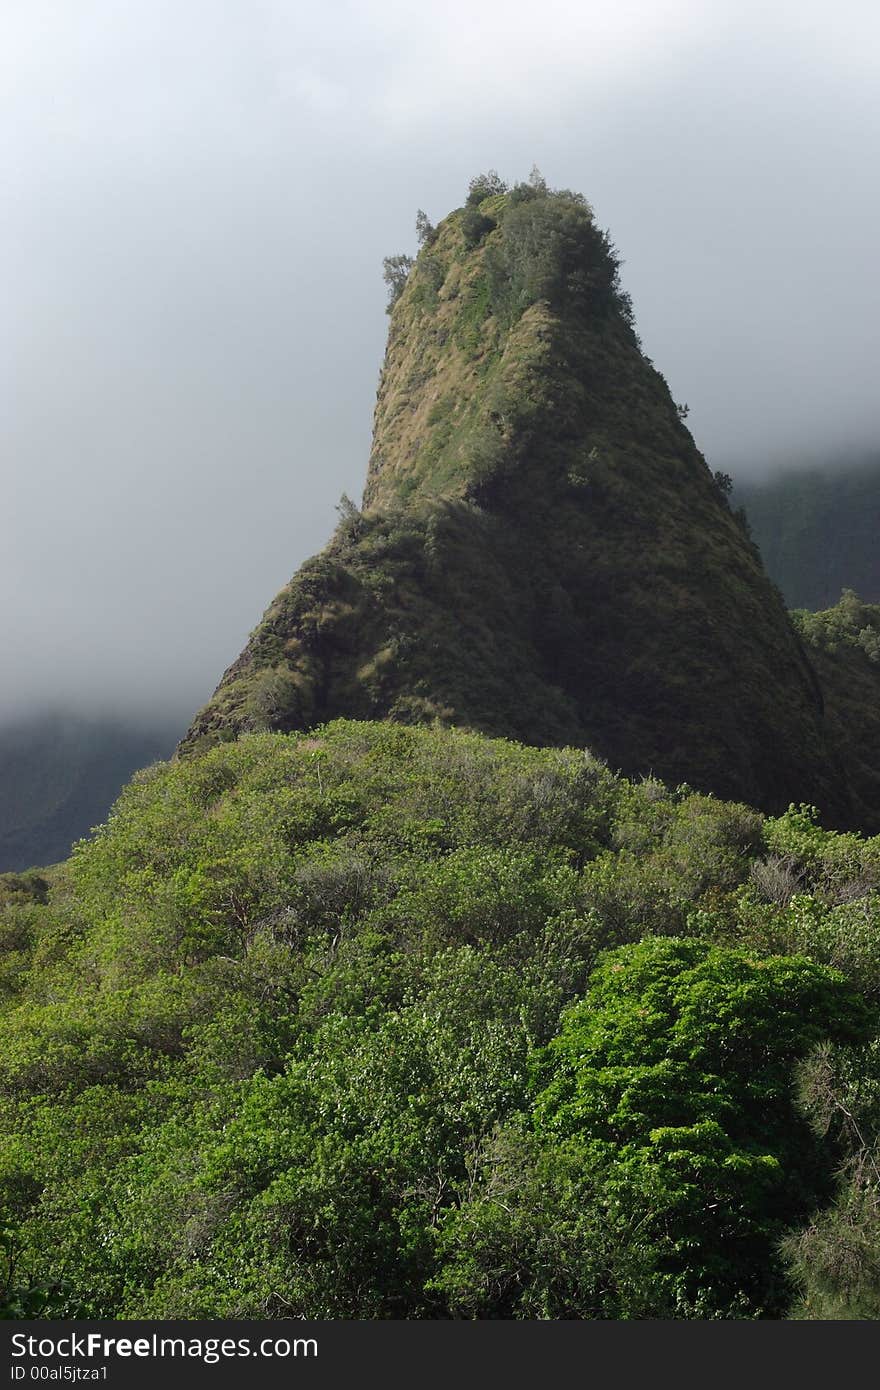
(322, 1026)
(851, 623)
(666, 1142)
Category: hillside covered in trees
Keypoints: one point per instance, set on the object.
(381, 1021)
(485, 951)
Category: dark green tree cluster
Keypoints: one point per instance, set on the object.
(552, 250)
(664, 1142)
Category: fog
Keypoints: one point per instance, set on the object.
(197, 201)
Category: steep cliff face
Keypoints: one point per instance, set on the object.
(542, 552)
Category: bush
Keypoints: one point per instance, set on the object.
(551, 249)
(475, 225)
(426, 232)
(395, 273)
(483, 186)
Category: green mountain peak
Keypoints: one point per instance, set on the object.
(479, 337)
(543, 553)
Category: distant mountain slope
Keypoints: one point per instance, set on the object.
(543, 553)
(818, 531)
(59, 775)
(843, 643)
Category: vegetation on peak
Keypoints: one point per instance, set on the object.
(476, 319)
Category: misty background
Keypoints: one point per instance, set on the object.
(197, 202)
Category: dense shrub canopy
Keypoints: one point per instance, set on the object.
(383, 1021)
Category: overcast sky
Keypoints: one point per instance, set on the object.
(197, 196)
